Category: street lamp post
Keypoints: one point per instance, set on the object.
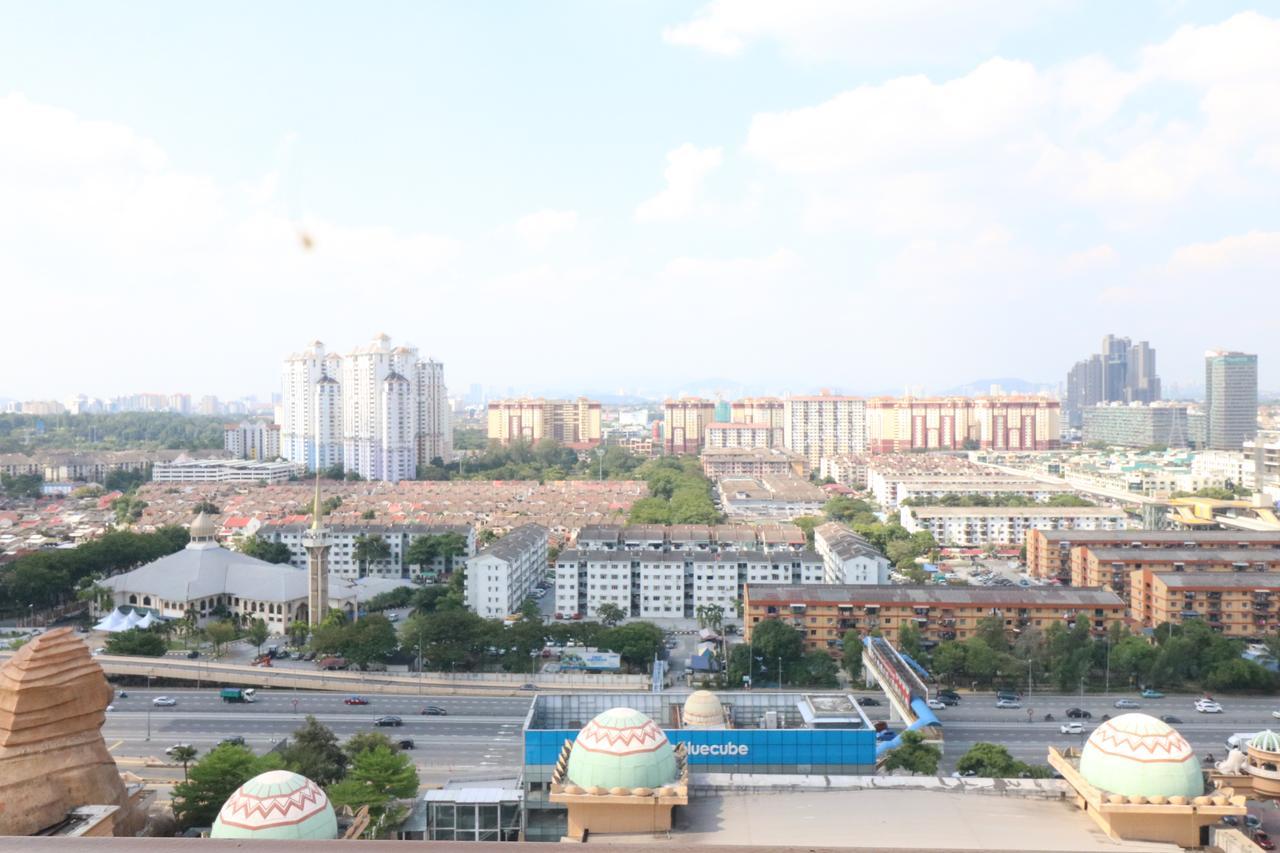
(1108, 681)
(779, 673)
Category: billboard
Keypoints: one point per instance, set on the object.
(850, 751)
(605, 661)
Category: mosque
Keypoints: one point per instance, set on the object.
(1140, 780)
(277, 805)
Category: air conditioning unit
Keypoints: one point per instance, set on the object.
(769, 720)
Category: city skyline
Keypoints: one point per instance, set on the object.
(1122, 174)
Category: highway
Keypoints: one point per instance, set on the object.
(977, 719)
(480, 735)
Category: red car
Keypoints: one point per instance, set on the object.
(1263, 840)
(355, 700)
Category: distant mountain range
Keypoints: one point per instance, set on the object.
(1010, 385)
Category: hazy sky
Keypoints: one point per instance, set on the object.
(634, 194)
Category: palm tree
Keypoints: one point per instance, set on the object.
(369, 549)
(186, 754)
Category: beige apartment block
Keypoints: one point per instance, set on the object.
(574, 423)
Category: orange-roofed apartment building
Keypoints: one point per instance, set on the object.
(1236, 605)
(573, 423)
(1112, 568)
(1049, 551)
(685, 422)
(956, 423)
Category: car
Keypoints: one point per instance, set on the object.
(1230, 820)
(100, 651)
(967, 774)
(355, 700)
(435, 711)
(529, 686)
(164, 701)
(111, 707)
(1008, 704)
(405, 743)
(947, 700)
(1151, 694)
(177, 746)
(869, 702)
(936, 704)
(1264, 841)
(388, 720)
(1170, 719)
(1007, 694)
(886, 735)
(1252, 821)
(233, 740)
(193, 654)
(948, 694)
(1079, 714)
(1276, 714)
(1208, 707)
(1076, 728)
(1126, 703)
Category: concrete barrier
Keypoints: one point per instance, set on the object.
(728, 784)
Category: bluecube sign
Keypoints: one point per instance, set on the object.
(746, 750)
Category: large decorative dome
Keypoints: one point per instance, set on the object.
(277, 804)
(1137, 755)
(1266, 741)
(702, 710)
(621, 748)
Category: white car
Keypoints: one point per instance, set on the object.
(1276, 714)
(1071, 728)
(1208, 706)
(164, 701)
(1008, 704)
(935, 704)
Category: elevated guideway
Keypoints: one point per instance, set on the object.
(901, 680)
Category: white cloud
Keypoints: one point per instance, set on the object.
(687, 169)
(731, 272)
(537, 230)
(862, 31)
(1194, 116)
(96, 219)
(1090, 259)
(1254, 250)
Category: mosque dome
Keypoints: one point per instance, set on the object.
(1136, 755)
(621, 748)
(277, 804)
(1266, 741)
(203, 529)
(702, 710)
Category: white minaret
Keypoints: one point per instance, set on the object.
(316, 541)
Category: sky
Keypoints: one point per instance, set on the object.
(634, 195)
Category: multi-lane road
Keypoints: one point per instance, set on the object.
(977, 719)
(481, 735)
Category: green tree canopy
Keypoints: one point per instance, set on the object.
(261, 549)
(914, 755)
(313, 751)
(214, 778)
(137, 641)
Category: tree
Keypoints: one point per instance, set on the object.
(368, 515)
(852, 657)
(97, 596)
(206, 506)
(990, 629)
(213, 779)
(369, 549)
(258, 633)
(987, 760)
(314, 752)
(422, 552)
(846, 509)
(137, 641)
(186, 754)
(914, 755)
(261, 549)
(22, 485)
(610, 614)
(298, 631)
(650, 511)
(365, 741)
(909, 641)
(816, 669)
(220, 632)
(949, 660)
(636, 642)
(373, 638)
(807, 523)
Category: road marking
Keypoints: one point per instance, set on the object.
(114, 745)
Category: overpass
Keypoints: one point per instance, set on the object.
(201, 672)
(899, 678)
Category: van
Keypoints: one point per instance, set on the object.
(1240, 740)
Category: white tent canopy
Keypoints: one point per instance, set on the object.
(117, 621)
